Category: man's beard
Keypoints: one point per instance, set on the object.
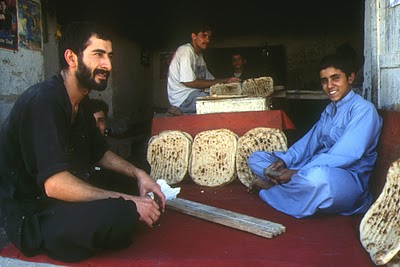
(86, 78)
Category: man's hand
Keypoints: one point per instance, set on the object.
(147, 208)
(283, 176)
(147, 184)
(233, 80)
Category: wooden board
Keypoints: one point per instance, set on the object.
(228, 218)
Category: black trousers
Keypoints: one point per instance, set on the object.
(74, 231)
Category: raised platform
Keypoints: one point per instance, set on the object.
(238, 122)
(184, 240)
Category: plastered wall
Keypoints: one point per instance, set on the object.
(18, 71)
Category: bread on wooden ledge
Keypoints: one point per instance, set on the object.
(257, 139)
(212, 161)
(380, 226)
(261, 86)
(226, 89)
(168, 155)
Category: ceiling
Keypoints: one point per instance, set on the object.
(158, 23)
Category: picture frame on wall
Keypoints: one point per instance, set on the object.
(8, 25)
(30, 25)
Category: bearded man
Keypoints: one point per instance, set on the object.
(49, 143)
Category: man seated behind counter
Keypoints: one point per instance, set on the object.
(188, 76)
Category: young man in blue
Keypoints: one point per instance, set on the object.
(328, 170)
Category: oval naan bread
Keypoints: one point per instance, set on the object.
(212, 161)
(262, 86)
(226, 89)
(257, 139)
(380, 226)
(168, 155)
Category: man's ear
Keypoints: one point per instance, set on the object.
(351, 77)
(70, 57)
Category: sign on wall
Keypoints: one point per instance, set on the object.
(8, 25)
(29, 25)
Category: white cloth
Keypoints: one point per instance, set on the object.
(185, 66)
(169, 192)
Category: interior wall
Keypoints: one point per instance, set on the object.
(131, 84)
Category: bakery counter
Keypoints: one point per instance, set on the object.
(238, 122)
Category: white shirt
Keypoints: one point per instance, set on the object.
(185, 66)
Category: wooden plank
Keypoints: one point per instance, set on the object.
(228, 218)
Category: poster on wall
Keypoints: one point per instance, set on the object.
(29, 25)
(8, 25)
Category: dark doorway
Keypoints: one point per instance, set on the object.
(262, 61)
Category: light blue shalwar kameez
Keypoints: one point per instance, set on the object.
(334, 162)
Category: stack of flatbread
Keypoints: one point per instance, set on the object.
(212, 161)
(226, 89)
(262, 86)
(380, 226)
(168, 155)
(257, 139)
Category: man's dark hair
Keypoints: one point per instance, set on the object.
(201, 28)
(75, 36)
(237, 51)
(96, 105)
(337, 61)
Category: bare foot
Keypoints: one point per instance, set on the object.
(175, 111)
(259, 184)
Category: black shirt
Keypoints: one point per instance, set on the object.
(38, 140)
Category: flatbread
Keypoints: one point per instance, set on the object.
(168, 155)
(212, 161)
(380, 226)
(262, 86)
(257, 139)
(226, 89)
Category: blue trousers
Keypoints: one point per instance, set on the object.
(318, 189)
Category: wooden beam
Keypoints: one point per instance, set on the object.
(228, 218)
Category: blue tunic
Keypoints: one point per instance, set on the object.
(334, 162)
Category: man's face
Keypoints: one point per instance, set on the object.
(237, 62)
(95, 65)
(202, 39)
(100, 121)
(335, 83)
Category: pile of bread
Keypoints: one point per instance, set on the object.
(380, 226)
(211, 158)
(262, 86)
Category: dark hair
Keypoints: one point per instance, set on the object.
(96, 105)
(75, 36)
(338, 61)
(201, 28)
(347, 50)
(237, 51)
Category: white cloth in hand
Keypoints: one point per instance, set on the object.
(170, 193)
